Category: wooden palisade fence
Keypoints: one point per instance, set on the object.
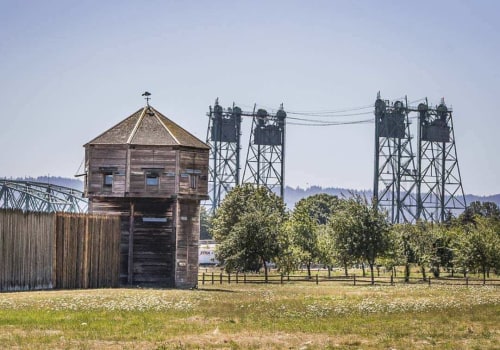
(58, 250)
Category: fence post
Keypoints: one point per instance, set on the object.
(467, 281)
(236, 277)
(392, 280)
(203, 278)
(212, 277)
(244, 278)
(221, 278)
(429, 280)
(354, 278)
(281, 279)
(228, 278)
(317, 281)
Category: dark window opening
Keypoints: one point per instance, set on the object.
(107, 180)
(153, 219)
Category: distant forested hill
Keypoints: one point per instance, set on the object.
(292, 195)
(473, 198)
(75, 183)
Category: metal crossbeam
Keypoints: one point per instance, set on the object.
(265, 164)
(223, 137)
(41, 197)
(395, 174)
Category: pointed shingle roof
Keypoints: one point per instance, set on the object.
(147, 127)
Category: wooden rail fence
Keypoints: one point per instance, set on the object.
(222, 278)
(58, 250)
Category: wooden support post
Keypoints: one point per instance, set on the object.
(203, 278)
(354, 278)
(244, 278)
(429, 280)
(392, 280)
(130, 279)
(281, 281)
(221, 278)
(228, 278)
(212, 277)
(467, 281)
(317, 280)
(236, 277)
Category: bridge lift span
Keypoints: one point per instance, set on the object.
(41, 197)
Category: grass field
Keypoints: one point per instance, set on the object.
(294, 316)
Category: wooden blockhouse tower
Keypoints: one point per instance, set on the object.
(154, 174)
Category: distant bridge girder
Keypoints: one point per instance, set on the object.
(38, 196)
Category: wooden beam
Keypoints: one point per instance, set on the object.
(131, 246)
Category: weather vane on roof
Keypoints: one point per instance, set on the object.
(147, 94)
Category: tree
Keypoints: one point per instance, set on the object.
(308, 216)
(326, 247)
(422, 243)
(205, 219)
(361, 231)
(290, 255)
(303, 232)
(478, 246)
(401, 252)
(482, 209)
(443, 250)
(247, 226)
(319, 207)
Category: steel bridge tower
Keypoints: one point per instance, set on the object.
(265, 164)
(223, 137)
(395, 172)
(439, 189)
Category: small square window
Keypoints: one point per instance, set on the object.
(107, 179)
(152, 179)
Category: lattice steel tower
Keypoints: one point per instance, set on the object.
(223, 137)
(439, 189)
(395, 171)
(265, 164)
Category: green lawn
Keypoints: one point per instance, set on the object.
(290, 316)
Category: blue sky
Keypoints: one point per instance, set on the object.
(71, 69)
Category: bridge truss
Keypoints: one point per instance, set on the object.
(41, 197)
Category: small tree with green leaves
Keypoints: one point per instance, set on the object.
(248, 226)
(308, 216)
(422, 243)
(401, 252)
(478, 246)
(290, 255)
(326, 247)
(361, 231)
